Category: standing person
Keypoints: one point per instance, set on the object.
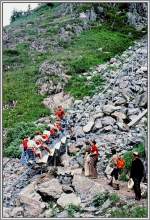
(60, 113)
(93, 160)
(113, 163)
(137, 173)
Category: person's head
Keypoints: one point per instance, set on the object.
(87, 142)
(93, 142)
(32, 136)
(113, 151)
(135, 154)
(38, 132)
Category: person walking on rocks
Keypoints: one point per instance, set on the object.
(93, 160)
(137, 173)
(116, 163)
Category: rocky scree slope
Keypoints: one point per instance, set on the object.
(106, 118)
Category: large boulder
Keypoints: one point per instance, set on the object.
(51, 188)
(87, 188)
(67, 199)
(58, 99)
(31, 201)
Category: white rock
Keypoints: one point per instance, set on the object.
(67, 199)
(98, 124)
(87, 128)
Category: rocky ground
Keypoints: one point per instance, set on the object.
(117, 116)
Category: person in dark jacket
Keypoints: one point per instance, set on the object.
(137, 173)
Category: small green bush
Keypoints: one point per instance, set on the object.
(72, 209)
(135, 212)
(100, 198)
(114, 198)
(123, 176)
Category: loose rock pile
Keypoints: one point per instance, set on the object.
(107, 117)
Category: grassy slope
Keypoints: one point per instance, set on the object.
(78, 57)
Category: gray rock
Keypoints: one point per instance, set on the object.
(63, 214)
(119, 115)
(108, 121)
(67, 189)
(142, 100)
(108, 109)
(108, 128)
(132, 111)
(120, 101)
(17, 212)
(51, 188)
(31, 200)
(66, 199)
(98, 124)
(88, 127)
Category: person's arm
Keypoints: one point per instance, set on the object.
(46, 148)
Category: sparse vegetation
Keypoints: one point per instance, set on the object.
(135, 212)
(72, 209)
(101, 198)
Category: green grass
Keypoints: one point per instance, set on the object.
(135, 212)
(18, 56)
(114, 198)
(20, 86)
(85, 88)
(84, 51)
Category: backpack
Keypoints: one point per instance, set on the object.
(120, 163)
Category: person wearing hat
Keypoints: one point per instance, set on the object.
(137, 173)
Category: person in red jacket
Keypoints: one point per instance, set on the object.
(60, 113)
(93, 159)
